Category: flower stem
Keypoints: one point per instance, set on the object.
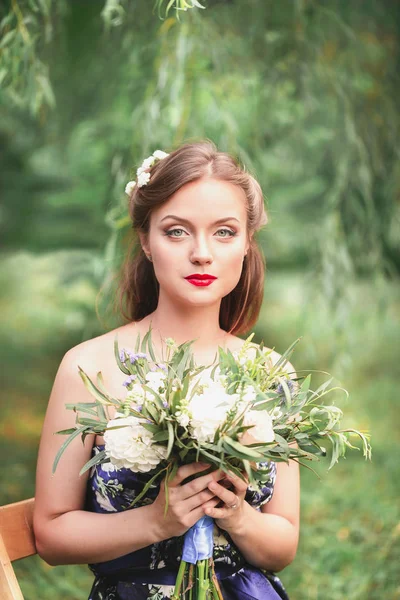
(215, 589)
(179, 579)
(202, 580)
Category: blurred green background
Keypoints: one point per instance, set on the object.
(305, 94)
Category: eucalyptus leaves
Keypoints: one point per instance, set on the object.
(240, 411)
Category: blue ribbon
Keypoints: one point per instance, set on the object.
(198, 543)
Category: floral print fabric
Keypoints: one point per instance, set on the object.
(131, 577)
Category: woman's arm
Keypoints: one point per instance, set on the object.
(267, 539)
(64, 532)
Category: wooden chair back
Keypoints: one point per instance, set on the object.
(16, 541)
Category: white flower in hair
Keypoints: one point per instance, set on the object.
(160, 154)
(146, 164)
(143, 172)
(143, 179)
(129, 187)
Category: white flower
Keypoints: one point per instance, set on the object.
(143, 179)
(209, 410)
(276, 413)
(262, 429)
(182, 418)
(160, 154)
(146, 165)
(249, 394)
(155, 379)
(129, 187)
(131, 446)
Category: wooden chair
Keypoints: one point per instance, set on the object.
(16, 541)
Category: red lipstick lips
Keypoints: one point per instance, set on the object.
(200, 279)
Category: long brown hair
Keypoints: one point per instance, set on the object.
(139, 289)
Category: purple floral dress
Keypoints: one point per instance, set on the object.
(149, 573)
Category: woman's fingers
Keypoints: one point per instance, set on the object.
(228, 497)
(186, 471)
(199, 512)
(194, 487)
(199, 499)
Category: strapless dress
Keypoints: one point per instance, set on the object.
(150, 573)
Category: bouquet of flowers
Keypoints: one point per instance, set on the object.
(176, 413)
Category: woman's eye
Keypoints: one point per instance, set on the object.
(173, 232)
(227, 232)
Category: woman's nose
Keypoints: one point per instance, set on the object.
(201, 253)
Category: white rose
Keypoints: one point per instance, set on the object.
(131, 446)
(160, 154)
(262, 429)
(209, 410)
(129, 187)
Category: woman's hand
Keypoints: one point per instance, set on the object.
(185, 500)
(228, 516)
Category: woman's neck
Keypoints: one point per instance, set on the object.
(200, 324)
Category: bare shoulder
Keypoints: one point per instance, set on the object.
(93, 352)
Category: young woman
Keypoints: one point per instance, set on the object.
(197, 274)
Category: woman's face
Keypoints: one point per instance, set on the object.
(202, 229)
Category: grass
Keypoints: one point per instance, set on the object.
(350, 525)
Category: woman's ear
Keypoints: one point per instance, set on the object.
(144, 242)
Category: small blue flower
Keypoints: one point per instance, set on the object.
(134, 357)
(165, 404)
(289, 383)
(122, 356)
(129, 380)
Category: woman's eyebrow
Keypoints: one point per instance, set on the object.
(176, 218)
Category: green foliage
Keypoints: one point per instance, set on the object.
(305, 94)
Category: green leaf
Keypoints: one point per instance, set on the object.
(150, 347)
(145, 489)
(93, 423)
(101, 387)
(121, 366)
(97, 458)
(151, 427)
(152, 411)
(102, 398)
(240, 450)
(74, 434)
(144, 341)
(161, 436)
(66, 431)
(84, 407)
(157, 397)
(137, 344)
(170, 438)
